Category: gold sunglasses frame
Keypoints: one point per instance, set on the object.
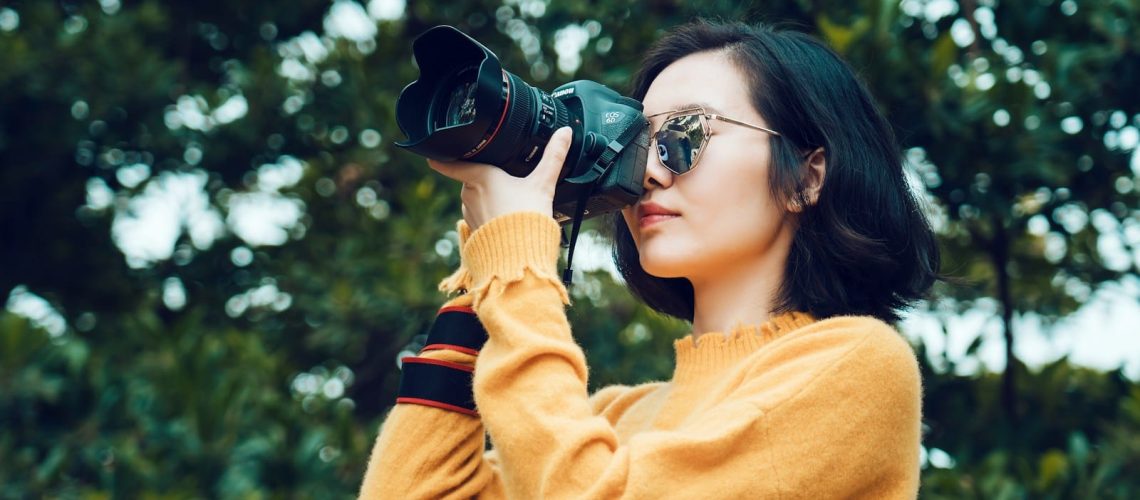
(704, 116)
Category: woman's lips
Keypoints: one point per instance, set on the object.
(650, 213)
(651, 219)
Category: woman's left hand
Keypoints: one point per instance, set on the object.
(489, 191)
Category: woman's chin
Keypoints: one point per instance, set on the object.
(665, 267)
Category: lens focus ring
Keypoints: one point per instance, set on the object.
(517, 146)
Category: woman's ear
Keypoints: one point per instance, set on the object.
(815, 170)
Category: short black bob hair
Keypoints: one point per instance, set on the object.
(865, 247)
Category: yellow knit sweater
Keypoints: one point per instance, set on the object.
(794, 408)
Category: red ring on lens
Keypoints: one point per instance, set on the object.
(490, 137)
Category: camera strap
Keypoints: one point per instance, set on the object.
(593, 177)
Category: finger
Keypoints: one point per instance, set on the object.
(553, 157)
(461, 171)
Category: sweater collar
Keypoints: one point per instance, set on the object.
(715, 351)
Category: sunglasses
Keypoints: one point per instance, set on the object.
(685, 134)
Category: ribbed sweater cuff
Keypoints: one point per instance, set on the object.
(508, 245)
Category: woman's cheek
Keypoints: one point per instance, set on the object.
(630, 223)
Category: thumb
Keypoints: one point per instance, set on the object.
(553, 157)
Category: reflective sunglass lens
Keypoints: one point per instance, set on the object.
(679, 142)
(674, 151)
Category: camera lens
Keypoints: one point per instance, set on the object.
(528, 117)
(465, 106)
(460, 100)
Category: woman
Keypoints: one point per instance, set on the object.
(787, 237)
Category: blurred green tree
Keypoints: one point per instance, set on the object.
(237, 362)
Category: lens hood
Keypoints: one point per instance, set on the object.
(442, 53)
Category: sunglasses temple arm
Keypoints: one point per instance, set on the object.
(749, 125)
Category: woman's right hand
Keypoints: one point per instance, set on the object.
(489, 191)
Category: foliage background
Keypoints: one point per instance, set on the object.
(242, 363)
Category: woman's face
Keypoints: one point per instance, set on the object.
(726, 220)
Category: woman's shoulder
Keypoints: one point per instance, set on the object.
(844, 333)
(858, 352)
(877, 347)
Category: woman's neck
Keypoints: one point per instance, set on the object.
(722, 305)
(739, 292)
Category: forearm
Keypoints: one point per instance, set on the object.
(530, 379)
(532, 383)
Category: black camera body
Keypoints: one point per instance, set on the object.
(466, 107)
(604, 116)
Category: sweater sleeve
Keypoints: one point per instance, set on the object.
(772, 438)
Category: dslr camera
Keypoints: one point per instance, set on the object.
(465, 106)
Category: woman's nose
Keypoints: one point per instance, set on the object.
(656, 175)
